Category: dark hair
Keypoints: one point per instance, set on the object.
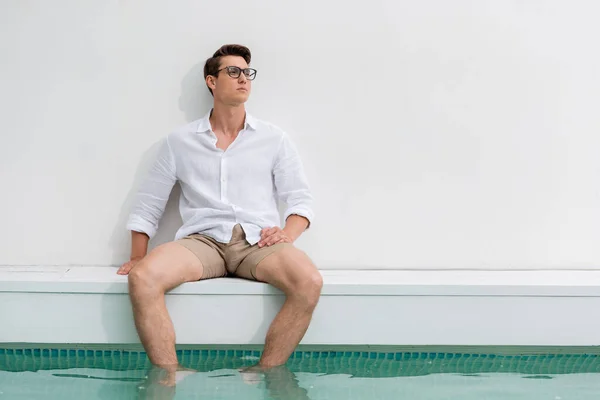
(212, 64)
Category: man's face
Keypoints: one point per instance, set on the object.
(226, 87)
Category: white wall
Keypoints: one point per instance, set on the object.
(435, 134)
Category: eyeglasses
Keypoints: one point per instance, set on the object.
(234, 72)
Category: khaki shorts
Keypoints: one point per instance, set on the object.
(237, 258)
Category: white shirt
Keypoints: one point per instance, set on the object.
(220, 189)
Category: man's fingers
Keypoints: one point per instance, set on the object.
(266, 240)
(267, 232)
(277, 238)
(125, 268)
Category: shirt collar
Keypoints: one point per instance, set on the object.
(204, 123)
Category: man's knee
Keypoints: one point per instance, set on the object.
(142, 278)
(307, 283)
(311, 287)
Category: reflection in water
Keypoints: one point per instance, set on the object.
(280, 382)
(160, 384)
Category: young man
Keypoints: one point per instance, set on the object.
(232, 168)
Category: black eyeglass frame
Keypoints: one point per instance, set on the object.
(235, 72)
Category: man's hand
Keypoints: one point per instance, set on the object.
(125, 268)
(274, 235)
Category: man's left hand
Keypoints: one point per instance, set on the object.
(271, 236)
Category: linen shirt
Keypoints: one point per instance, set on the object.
(220, 189)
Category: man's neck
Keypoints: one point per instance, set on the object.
(228, 121)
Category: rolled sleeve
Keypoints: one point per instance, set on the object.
(152, 197)
(291, 183)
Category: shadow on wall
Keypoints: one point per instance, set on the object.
(194, 101)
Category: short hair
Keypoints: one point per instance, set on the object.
(211, 67)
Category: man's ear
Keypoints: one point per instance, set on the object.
(211, 81)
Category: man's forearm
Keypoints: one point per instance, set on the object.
(139, 244)
(295, 225)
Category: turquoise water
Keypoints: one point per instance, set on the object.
(47, 373)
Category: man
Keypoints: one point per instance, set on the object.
(232, 168)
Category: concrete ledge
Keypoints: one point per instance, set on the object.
(491, 308)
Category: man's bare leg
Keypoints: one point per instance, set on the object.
(165, 268)
(291, 271)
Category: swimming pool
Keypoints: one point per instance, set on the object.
(95, 372)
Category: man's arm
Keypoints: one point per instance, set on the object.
(295, 225)
(292, 188)
(139, 248)
(150, 204)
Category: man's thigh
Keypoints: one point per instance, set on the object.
(171, 264)
(209, 252)
(287, 268)
(243, 261)
(166, 267)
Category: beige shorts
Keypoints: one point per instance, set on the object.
(237, 258)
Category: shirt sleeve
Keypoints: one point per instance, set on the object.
(291, 183)
(152, 197)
